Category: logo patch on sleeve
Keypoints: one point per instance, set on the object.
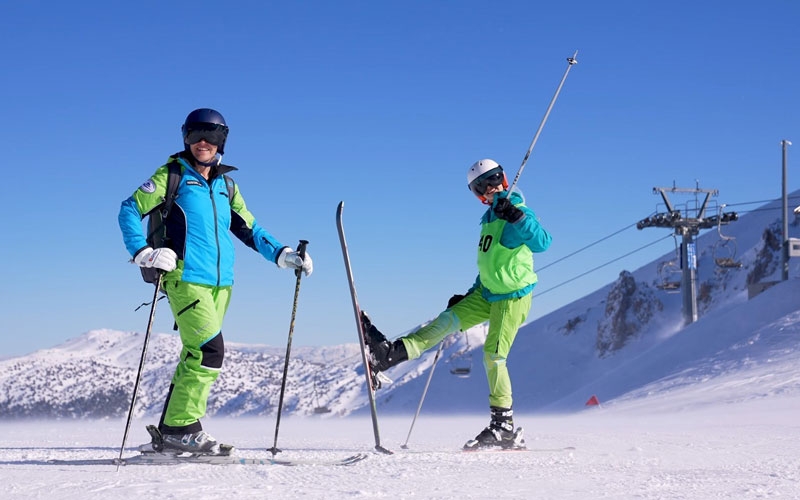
(149, 186)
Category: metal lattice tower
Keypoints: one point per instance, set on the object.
(687, 224)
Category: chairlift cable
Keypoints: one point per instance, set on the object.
(587, 247)
(602, 265)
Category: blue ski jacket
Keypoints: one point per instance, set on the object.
(199, 225)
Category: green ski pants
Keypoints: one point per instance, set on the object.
(198, 311)
(504, 316)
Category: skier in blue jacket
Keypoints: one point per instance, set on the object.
(197, 261)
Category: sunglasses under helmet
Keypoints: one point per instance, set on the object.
(483, 174)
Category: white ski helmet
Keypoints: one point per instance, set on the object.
(483, 173)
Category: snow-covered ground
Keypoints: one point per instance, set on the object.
(680, 446)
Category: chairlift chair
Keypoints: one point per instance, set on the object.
(724, 252)
(667, 271)
(318, 409)
(461, 362)
(461, 365)
(724, 249)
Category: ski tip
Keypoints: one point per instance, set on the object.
(470, 445)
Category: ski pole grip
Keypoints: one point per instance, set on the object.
(301, 250)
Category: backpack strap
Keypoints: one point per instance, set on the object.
(173, 180)
(156, 222)
(231, 185)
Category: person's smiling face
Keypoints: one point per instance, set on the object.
(491, 191)
(203, 151)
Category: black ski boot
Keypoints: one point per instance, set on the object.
(385, 354)
(198, 443)
(372, 336)
(500, 432)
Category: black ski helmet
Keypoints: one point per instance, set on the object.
(206, 120)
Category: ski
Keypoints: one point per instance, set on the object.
(372, 380)
(152, 458)
(352, 459)
(493, 449)
(497, 449)
(166, 459)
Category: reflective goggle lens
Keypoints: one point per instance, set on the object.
(212, 133)
(493, 178)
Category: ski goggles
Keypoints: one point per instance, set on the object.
(493, 178)
(213, 133)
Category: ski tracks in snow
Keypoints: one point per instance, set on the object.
(745, 450)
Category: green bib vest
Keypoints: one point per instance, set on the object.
(503, 270)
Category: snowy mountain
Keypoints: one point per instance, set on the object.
(93, 376)
(625, 340)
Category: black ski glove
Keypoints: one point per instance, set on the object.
(507, 211)
(455, 299)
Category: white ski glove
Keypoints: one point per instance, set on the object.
(292, 260)
(160, 258)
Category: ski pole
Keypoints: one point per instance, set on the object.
(301, 249)
(424, 392)
(141, 367)
(571, 60)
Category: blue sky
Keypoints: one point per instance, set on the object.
(383, 105)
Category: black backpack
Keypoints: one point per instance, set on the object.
(156, 225)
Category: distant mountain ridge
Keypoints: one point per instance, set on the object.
(93, 376)
(615, 341)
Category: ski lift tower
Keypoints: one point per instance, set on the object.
(687, 225)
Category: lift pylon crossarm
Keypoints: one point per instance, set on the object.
(664, 190)
(673, 189)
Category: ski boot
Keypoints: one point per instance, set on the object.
(196, 443)
(383, 353)
(499, 434)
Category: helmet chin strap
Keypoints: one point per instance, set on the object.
(213, 163)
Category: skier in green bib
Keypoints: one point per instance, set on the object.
(501, 295)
